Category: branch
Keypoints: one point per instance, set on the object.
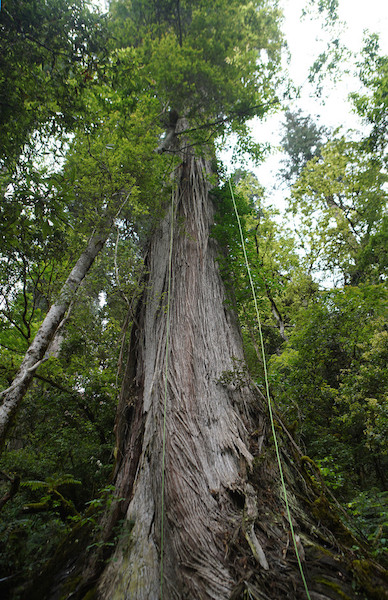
(81, 405)
(25, 309)
(15, 483)
(276, 313)
(339, 206)
(23, 376)
(10, 319)
(232, 115)
(37, 351)
(14, 350)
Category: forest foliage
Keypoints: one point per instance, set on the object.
(86, 100)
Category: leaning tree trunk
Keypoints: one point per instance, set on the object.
(225, 532)
(13, 396)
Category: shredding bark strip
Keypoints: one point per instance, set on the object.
(226, 533)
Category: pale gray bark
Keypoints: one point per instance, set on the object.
(35, 354)
(277, 316)
(226, 532)
(213, 425)
(207, 443)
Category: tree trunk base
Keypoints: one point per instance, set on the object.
(222, 522)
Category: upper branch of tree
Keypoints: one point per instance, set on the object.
(229, 118)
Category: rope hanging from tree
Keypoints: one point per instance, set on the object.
(269, 398)
(165, 393)
(266, 387)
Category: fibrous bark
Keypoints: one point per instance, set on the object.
(206, 440)
(226, 533)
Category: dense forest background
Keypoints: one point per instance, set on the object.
(84, 117)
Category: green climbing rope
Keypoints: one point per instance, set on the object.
(268, 396)
(165, 394)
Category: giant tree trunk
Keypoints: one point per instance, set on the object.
(225, 534)
(225, 529)
(207, 438)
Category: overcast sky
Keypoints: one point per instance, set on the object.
(306, 40)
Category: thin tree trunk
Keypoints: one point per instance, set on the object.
(34, 356)
(13, 490)
(277, 315)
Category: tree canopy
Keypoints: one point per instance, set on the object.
(91, 108)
